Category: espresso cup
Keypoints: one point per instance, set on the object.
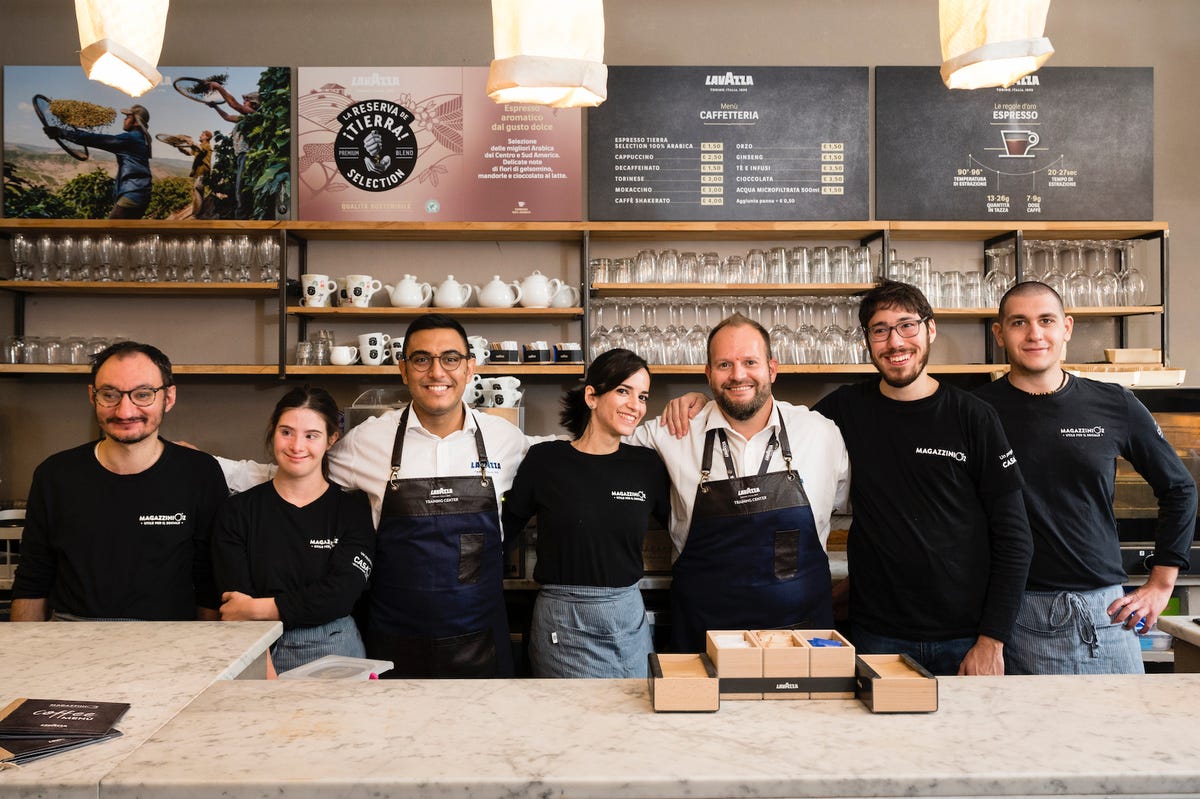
(477, 342)
(480, 355)
(502, 383)
(343, 355)
(360, 289)
(501, 398)
(396, 348)
(317, 290)
(373, 348)
(1017, 143)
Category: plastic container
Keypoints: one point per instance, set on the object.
(1155, 640)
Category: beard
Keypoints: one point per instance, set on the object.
(147, 430)
(917, 368)
(743, 411)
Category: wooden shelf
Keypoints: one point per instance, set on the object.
(408, 313)
(389, 370)
(11, 225)
(728, 289)
(980, 231)
(737, 231)
(250, 369)
(435, 231)
(76, 287)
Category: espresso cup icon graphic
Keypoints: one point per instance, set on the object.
(1018, 143)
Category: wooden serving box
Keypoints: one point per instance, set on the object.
(831, 661)
(785, 657)
(895, 684)
(735, 662)
(683, 683)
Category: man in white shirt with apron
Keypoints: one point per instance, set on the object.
(753, 483)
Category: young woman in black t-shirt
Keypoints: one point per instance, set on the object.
(593, 498)
(297, 548)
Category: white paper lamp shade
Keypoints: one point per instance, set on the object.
(992, 42)
(548, 52)
(120, 42)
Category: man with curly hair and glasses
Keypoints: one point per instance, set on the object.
(119, 528)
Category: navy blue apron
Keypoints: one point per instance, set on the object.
(437, 593)
(753, 559)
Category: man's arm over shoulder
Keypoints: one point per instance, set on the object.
(38, 566)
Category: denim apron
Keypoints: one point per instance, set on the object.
(436, 605)
(753, 559)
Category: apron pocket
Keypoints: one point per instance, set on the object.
(464, 656)
(470, 557)
(787, 554)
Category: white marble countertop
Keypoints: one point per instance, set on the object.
(157, 667)
(1181, 627)
(1003, 736)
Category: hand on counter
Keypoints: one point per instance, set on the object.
(986, 658)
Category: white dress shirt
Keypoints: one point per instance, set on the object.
(818, 456)
(362, 459)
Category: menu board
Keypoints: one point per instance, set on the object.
(1066, 143)
(730, 143)
(426, 144)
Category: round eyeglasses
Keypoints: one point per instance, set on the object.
(423, 361)
(905, 329)
(141, 396)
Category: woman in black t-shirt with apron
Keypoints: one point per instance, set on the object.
(593, 497)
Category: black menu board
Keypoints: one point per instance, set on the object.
(1065, 143)
(730, 143)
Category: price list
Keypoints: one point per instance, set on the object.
(742, 143)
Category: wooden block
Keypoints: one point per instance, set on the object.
(895, 684)
(683, 683)
(785, 655)
(835, 661)
(735, 661)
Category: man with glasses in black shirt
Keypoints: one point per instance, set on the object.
(119, 528)
(940, 544)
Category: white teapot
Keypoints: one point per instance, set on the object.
(498, 294)
(565, 297)
(409, 293)
(537, 290)
(452, 294)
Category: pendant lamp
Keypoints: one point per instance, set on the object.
(992, 42)
(548, 52)
(120, 42)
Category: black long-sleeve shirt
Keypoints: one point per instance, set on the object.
(1068, 443)
(314, 560)
(939, 547)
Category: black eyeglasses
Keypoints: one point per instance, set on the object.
(422, 361)
(142, 396)
(905, 329)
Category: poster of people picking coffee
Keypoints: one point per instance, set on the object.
(206, 143)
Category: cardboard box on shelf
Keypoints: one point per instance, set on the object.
(830, 661)
(895, 684)
(683, 683)
(736, 654)
(786, 658)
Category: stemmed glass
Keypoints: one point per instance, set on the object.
(782, 343)
(243, 250)
(106, 249)
(152, 251)
(208, 253)
(228, 253)
(1107, 285)
(1133, 285)
(120, 250)
(268, 258)
(45, 256)
(696, 340)
(1078, 284)
(190, 252)
(598, 340)
(66, 256)
(87, 255)
(171, 249)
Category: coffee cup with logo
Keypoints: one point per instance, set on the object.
(480, 355)
(396, 348)
(373, 348)
(502, 383)
(502, 398)
(360, 289)
(317, 290)
(343, 355)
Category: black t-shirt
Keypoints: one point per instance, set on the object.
(939, 547)
(133, 546)
(1068, 443)
(313, 560)
(592, 511)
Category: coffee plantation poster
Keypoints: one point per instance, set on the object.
(209, 142)
(426, 144)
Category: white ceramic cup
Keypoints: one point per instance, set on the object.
(318, 290)
(502, 398)
(373, 348)
(502, 383)
(396, 347)
(343, 354)
(565, 297)
(360, 289)
(480, 355)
